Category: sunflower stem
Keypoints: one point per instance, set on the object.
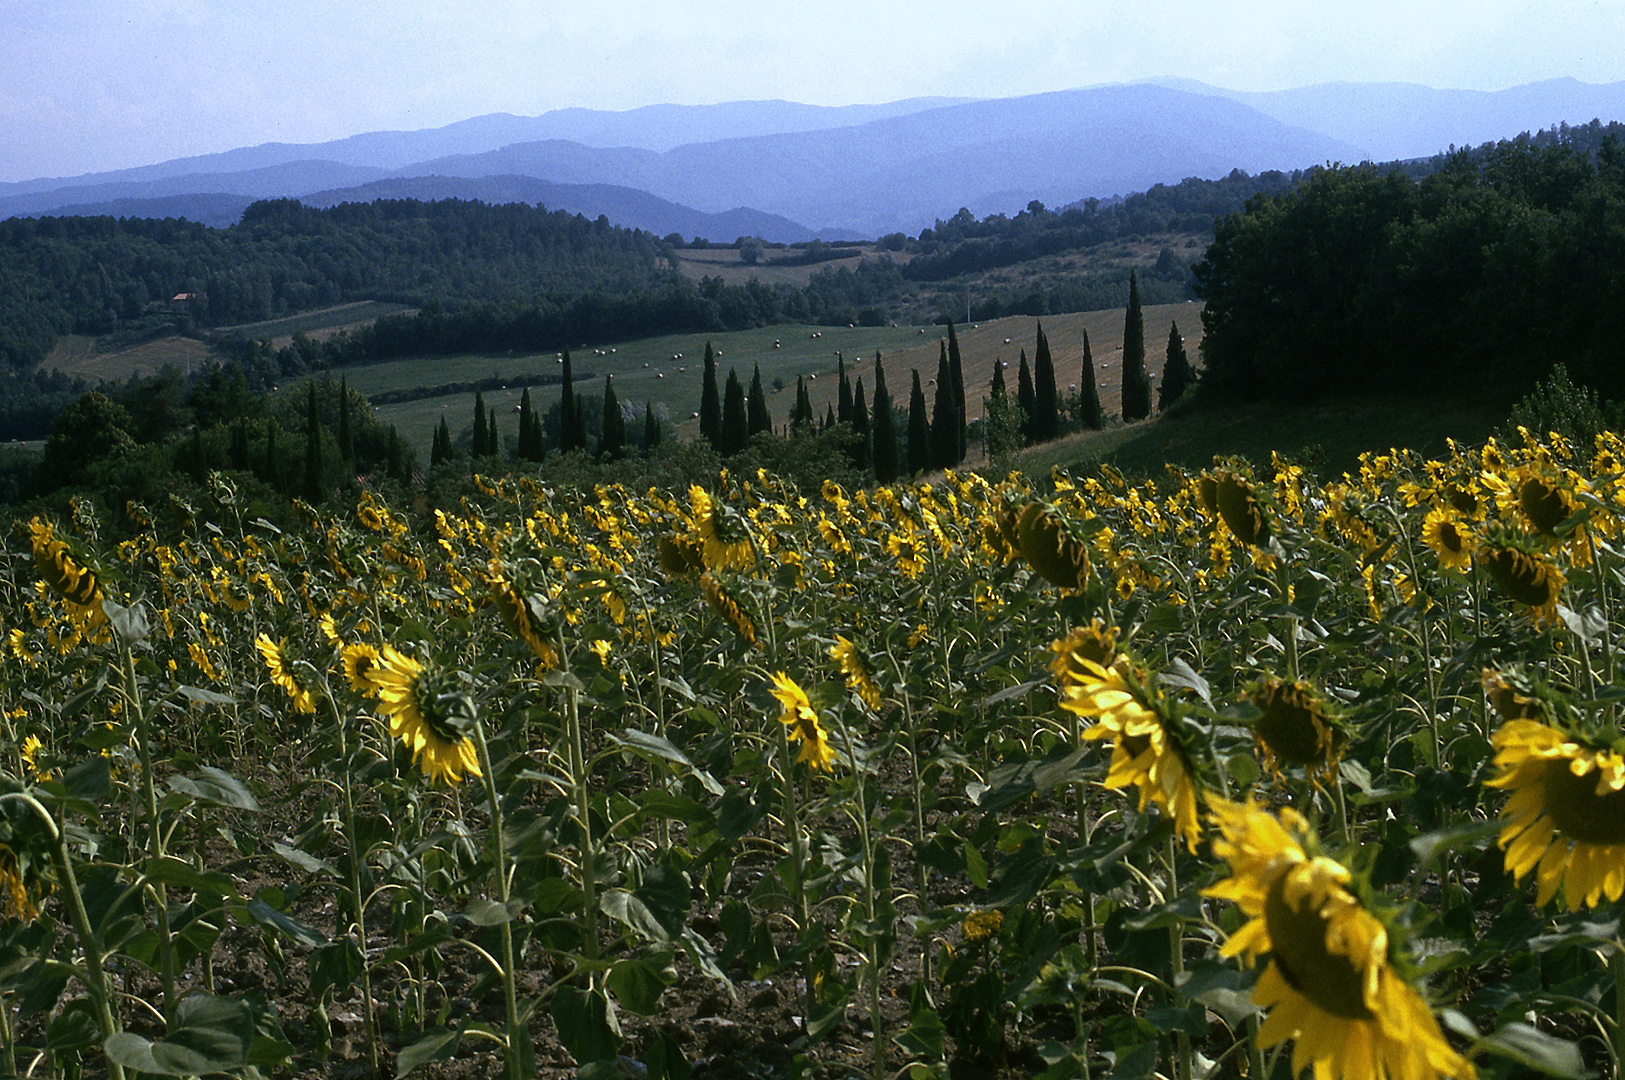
(155, 834)
(510, 987)
(358, 897)
(1176, 962)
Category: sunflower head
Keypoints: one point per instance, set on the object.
(1544, 503)
(517, 594)
(1052, 546)
(1523, 575)
(723, 533)
(1514, 696)
(1240, 507)
(802, 724)
(1297, 725)
(1095, 644)
(725, 602)
(680, 556)
(61, 570)
(1447, 535)
(430, 711)
(858, 669)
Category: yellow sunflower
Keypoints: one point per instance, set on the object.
(281, 669)
(856, 668)
(802, 722)
(75, 583)
(1239, 507)
(1523, 576)
(1330, 985)
(428, 713)
(1144, 752)
(1565, 818)
(723, 534)
(360, 660)
(1297, 727)
(727, 605)
(1449, 539)
(1051, 547)
(513, 603)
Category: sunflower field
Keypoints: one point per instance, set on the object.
(1230, 774)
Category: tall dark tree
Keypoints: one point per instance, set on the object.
(493, 441)
(829, 418)
(440, 449)
(843, 393)
(478, 448)
(569, 426)
(313, 449)
(757, 417)
(956, 369)
(239, 444)
(944, 418)
(735, 422)
(884, 429)
(1027, 398)
(996, 384)
(710, 402)
(346, 442)
(1136, 383)
(1090, 414)
(860, 425)
(802, 419)
(651, 428)
(522, 449)
(1177, 373)
(1046, 402)
(612, 434)
(919, 430)
(273, 459)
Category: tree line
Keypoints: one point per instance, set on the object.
(1475, 279)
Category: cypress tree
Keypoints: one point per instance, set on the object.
(944, 418)
(239, 444)
(568, 428)
(997, 386)
(1027, 398)
(843, 394)
(802, 418)
(1136, 383)
(757, 417)
(829, 419)
(651, 428)
(477, 447)
(1090, 413)
(313, 449)
(860, 425)
(956, 369)
(919, 430)
(884, 429)
(1046, 404)
(493, 442)
(735, 423)
(346, 443)
(1177, 373)
(440, 449)
(612, 439)
(710, 402)
(523, 450)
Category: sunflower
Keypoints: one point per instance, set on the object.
(517, 607)
(1565, 818)
(1297, 727)
(1330, 985)
(1523, 576)
(803, 725)
(723, 534)
(360, 661)
(428, 712)
(1449, 539)
(726, 604)
(1050, 547)
(281, 669)
(855, 666)
(1145, 753)
(75, 583)
(1239, 508)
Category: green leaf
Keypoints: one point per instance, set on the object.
(665, 1059)
(216, 787)
(585, 1025)
(483, 912)
(1431, 845)
(75, 1028)
(169, 870)
(436, 1044)
(638, 983)
(266, 915)
(1525, 1044)
(211, 1034)
(308, 863)
(205, 697)
(646, 745)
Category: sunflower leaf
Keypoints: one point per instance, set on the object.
(1525, 1044)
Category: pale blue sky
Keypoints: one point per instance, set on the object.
(87, 85)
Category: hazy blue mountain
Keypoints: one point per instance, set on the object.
(902, 173)
(1395, 121)
(861, 170)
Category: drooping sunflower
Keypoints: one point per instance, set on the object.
(727, 605)
(428, 712)
(803, 724)
(1331, 985)
(1051, 546)
(1524, 576)
(855, 666)
(1297, 726)
(74, 582)
(1146, 752)
(1240, 508)
(723, 534)
(1565, 818)
(277, 662)
(1444, 532)
(513, 601)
